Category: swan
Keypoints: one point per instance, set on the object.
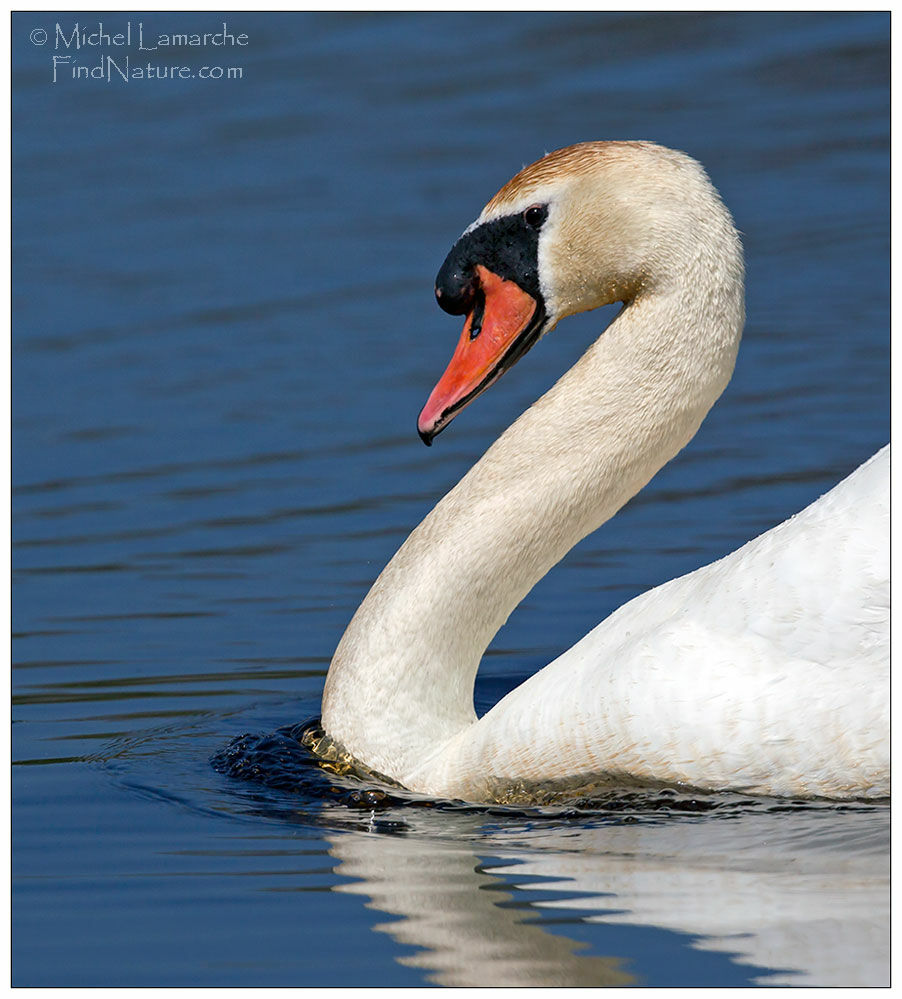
(766, 672)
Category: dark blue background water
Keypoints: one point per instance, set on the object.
(223, 331)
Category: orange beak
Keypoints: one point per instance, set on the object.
(503, 312)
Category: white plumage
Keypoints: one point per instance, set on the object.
(766, 671)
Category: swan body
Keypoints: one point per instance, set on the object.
(765, 672)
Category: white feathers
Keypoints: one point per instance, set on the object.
(766, 671)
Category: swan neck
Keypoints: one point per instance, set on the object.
(401, 682)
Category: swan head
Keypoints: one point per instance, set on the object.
(585, 226)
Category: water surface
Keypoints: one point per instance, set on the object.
(223, 331)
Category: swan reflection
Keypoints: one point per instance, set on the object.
(776, 897)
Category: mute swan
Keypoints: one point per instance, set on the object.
(765, 672)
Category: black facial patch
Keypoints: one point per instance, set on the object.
(507, 246)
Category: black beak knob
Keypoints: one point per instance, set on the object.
(456, 285)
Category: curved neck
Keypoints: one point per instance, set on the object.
(401, 681)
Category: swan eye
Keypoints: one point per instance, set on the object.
(535, 215)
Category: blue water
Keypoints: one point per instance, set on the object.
(223, 329)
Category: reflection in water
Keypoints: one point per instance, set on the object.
(461, 917)
(735, 889)
(795, 898)
(223, 330)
